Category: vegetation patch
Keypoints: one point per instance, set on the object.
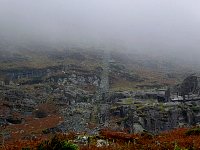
(194, 131)
(57, 144)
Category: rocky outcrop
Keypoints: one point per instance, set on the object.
(158, 118)
(76, 79)
(77, 116)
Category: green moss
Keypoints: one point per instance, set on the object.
(161, 107)
(141, 108)
(127, 101)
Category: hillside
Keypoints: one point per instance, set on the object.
(44, 91)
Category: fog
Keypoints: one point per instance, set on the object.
(164, 27)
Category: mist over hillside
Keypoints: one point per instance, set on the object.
(162, 29)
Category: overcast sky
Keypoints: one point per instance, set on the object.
(170, 26)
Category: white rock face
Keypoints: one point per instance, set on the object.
(101, 143)
(138, 128)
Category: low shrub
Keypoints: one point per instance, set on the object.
(194, 131)
(57, 144)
